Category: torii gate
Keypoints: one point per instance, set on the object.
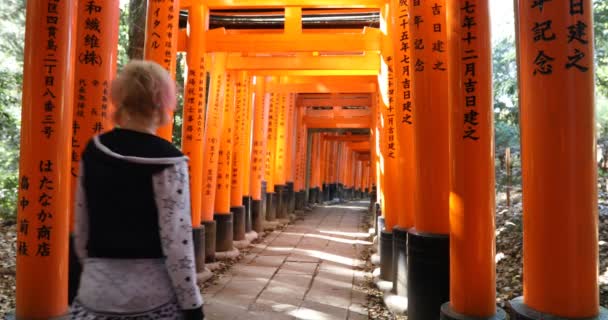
(430, 148)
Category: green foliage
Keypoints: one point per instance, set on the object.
(179, 110)
(123, 38)
(506, 107)
(506, 112)
(12, 22)
(600, 28)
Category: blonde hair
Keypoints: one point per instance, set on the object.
(143, 88)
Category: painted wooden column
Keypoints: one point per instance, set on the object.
(162, 26)
(241, 112)
(300, 177)
(389, 147)
(247, 150)
(222, 215)
(194, 122)
(214, 120)
(271, 138)
(402, 45)
(258, 154)
(95, 67)
(280, 171)
(555, 53)
(472, 204)
(401, 39)
(44, 163)
(291, 152)
(428, 242)
(315, 173)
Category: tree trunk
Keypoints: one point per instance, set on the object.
(137, 28)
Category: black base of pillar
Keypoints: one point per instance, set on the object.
(223, 235)
(326, 192)
(520, 311)
(319, 193)
(210, 231)
(280, 193)
(74, 272)
(386, 255)
(300, 200)
(271, 206)
(428, 274)
(312, 197)
(248, 221)
(264, 206)
(447, 313)
(198, 239)
(333, 188)
(291, 198)
(257, 216)
(238, 223)
(400, 261)
(372, 202)
(379, 228)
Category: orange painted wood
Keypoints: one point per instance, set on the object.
(44, 161)
(248, 136)
(94, 69)
(239, 139)
(162, 26)
(260, 133)
(431, 134)
(194, 110)
(224, 164)
(559, 158)
(472, 204)
(402, 45)
(213, 129)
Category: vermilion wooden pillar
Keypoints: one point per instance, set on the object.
(247, 151)
(258, 154)
(222, 214)
(472, 205)
(162, 25)
(428, 242)
(95, 67)
(280, 155)
(271, 138)
(213, 128)
(44, 162)
(194, 122)
(556, 73)
(241, 112)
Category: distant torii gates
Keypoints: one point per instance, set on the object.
(419, 85)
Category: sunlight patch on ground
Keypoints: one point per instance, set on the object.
(348, 207)
(319, 236)
(346, 234)
(304, 313)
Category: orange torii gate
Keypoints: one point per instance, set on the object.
(420, 89)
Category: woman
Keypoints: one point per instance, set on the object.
(133, 231)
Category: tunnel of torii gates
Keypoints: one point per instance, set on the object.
(277, 118)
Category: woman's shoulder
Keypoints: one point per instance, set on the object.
(121, 147)
(131, 143)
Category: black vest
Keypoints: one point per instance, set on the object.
(121, 207)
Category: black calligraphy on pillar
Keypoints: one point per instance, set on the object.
(390, 109)
(405, 63)
(50, 64)
(89, 53)
(577, 38)
(469, 62)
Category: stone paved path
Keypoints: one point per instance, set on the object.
(306, 271)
